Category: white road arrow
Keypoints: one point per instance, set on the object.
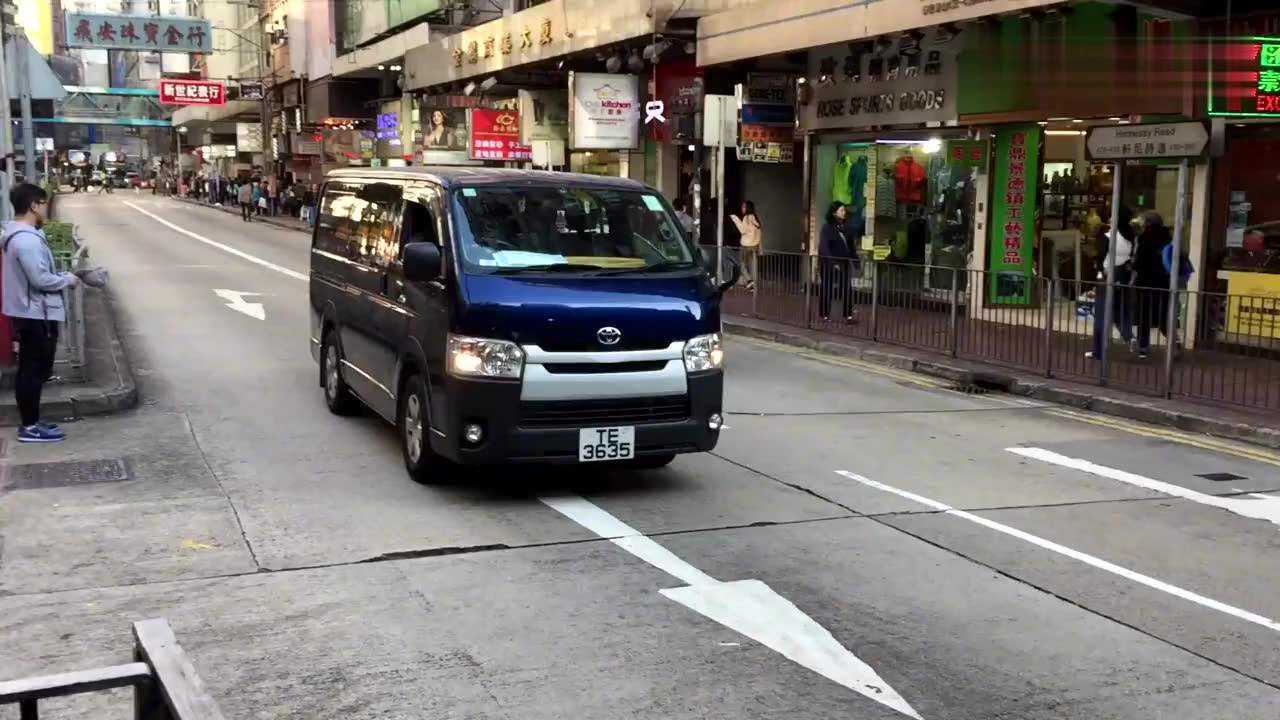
(749, 607)
(235, 301)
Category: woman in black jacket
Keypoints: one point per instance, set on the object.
(1151, 280)
(836, 262)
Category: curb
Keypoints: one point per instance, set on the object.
(93, 402)
(236, 211)
(1005, 381)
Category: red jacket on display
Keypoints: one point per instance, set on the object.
(909, 181)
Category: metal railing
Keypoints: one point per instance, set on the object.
(69, 359)
(165, 683)
(1226, 348)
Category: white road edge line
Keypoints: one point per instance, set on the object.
(749, 607)
(1245, 508)
(1085, 558)
(224, 248)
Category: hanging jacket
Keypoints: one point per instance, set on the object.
(31, 287)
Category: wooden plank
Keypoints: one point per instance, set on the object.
(72, 683)
(184, 692)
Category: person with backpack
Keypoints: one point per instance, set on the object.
(32, 299)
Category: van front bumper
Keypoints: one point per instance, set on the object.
(498, 409)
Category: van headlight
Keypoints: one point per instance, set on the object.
(705, 352)
(478, 357)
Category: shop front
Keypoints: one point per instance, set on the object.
(884, 142)
(1244, 243)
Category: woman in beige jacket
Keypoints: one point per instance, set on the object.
(752, 240)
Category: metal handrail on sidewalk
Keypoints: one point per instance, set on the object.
(165, 683)
(1225, 348)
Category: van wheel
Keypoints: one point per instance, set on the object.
(336, 393)
(652, 462)
(422, 463)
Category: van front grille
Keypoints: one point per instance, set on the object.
(599, 413)
(604, 368)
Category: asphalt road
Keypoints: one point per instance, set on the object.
(864, 543)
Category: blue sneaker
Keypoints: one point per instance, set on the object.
(38, 434)
(48, 425)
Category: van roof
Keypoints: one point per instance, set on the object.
(451, 177)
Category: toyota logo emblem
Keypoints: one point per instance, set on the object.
(609, 335)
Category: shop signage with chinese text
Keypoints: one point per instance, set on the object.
(854, 86)
(767, 152)
(1244, 78)
(495, 135)
(1014, 203)
(604, 111)
(192, 92)
(250, 90)
(1138, 142)
(138, 32)
(967, 154)
(769, 89)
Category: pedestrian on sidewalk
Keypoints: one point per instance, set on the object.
(245, 197)
(752, 231)
(836, 263)
(1122, 307)
(1151, 279)
(32, 299)
(685, 219)
(255, 192)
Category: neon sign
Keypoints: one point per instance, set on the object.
(1244, 78)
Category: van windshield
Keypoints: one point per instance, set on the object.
(568, 229)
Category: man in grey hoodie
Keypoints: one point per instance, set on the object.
(33, 301)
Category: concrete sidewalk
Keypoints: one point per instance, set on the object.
(1243, 424)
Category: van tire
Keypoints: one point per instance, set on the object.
(414, 426)
(337, 396)
(652, 462)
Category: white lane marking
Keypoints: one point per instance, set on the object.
(1260, 496)
(225, 248)
(1239, 506)
(236, 301)
(749, 607)
(1085, 558)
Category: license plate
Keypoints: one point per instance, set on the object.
(603, 444)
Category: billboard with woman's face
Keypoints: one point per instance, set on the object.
(444, 128)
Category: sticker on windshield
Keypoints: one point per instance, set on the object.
(652, 203)
(468, 192)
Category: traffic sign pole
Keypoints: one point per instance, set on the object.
(1108, 309)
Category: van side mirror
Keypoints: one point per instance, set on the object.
(732, 270)
(422, 261)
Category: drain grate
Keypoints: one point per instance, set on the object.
(1222, 477)
(35, 476)
(967, 389)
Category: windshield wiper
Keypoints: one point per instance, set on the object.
(551, 267)
(663, 266)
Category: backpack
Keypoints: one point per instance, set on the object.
(1185, 268)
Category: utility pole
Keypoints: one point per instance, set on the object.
(8, 27)
(264, 67)
(24, 98)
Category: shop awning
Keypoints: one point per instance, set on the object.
(203, 114)
(383, 52)
(539, 33)
(44, 84)
(773, 28)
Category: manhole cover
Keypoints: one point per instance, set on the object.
(33, 476)
(1222, 477)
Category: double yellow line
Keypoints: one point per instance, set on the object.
(1132, 427)
(1203, 442)
(894, 373)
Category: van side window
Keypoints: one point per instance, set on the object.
(374, 240)
(335, 212)
(418, 224)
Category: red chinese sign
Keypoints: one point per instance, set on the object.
(192, 92)
(495, 135)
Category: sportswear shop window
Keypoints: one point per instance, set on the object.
(910, 192)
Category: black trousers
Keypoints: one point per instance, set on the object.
(836, 281)
(37, 343)
(246, 211)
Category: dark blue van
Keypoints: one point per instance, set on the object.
(515, 316)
